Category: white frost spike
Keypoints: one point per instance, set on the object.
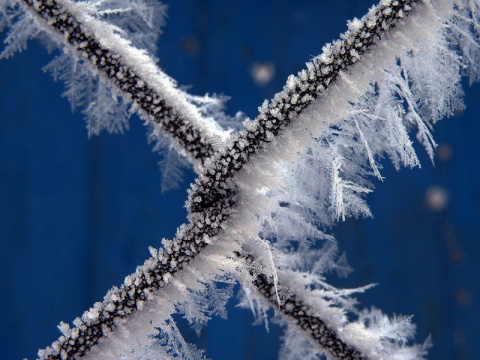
(340, 188)
(140, 21)
(413, 115)
(172, 164)
(354, 25)
(381, 337)
(248, 299)
(371, 160)
(22, 28)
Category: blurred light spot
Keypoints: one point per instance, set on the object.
(444, 152)
(262, 73)
(436, 198)
(462, 297)
(457, 255)
(190, 46)
(459, 337)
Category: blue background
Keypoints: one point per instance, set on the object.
(77, 215)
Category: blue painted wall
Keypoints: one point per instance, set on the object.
(77, 214)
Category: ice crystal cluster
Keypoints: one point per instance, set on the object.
(268, 191)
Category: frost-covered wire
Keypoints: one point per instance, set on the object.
(129, 69)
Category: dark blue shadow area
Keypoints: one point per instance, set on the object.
(77, 215)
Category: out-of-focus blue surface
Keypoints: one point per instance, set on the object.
(77, 215)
